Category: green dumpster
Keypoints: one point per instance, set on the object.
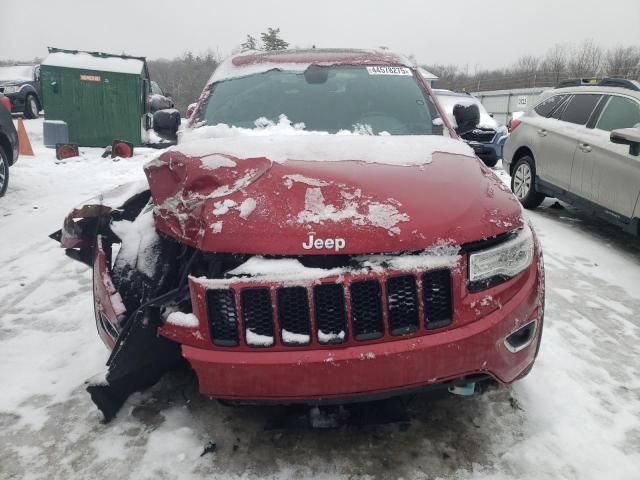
(101, 97)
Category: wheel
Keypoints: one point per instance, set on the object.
(523, 183)
(4, 172)
(31, 109)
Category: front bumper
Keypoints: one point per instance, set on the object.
(370, 370)
(474, 344)
(489, 151)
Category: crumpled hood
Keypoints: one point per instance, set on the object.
(306, 201)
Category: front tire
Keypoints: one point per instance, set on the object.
(4, 172)
(523, 183)
(31, 108)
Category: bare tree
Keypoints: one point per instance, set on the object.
(526, 69)
(623, 62)
(586, 60)
(185, 76)
(554, 64)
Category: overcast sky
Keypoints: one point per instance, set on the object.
(487, 33)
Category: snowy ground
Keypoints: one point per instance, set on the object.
(576, 416)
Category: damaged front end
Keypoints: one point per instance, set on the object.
(272, 278)
(138, 277)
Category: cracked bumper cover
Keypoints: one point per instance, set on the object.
(374, 369)
(349, 372)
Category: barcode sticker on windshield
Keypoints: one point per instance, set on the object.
(387, 70)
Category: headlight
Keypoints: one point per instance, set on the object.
(11, 89)
(499, 263)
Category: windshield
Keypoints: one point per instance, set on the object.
(448, 101)
(329, 99)
(17, 72)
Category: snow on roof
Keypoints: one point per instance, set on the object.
(427, 75)
(251, 62)
(88, 61)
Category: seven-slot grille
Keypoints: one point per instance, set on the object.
(331, 312)
(480, 135)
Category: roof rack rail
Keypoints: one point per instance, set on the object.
(620, 82)
(577, 82)
(604, 82)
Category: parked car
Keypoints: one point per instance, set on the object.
(580, 144)
(157, 99)
(303, 243)
(8, 146)
(21, 85)
(488, 138)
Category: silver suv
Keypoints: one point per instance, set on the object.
(581, 144)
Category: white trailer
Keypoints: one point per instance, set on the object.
(503, 103)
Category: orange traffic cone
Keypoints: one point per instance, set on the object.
(23, 140)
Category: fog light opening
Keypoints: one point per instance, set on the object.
(521, 338)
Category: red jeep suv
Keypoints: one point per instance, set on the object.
(319, 235)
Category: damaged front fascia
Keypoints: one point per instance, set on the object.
(180, 187)
(140, 356)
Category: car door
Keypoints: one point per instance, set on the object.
(559, 138)
(609, 174)
(535, 124)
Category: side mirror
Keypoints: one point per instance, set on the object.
(166, 123)
(467, 117)
(190, 109)
(627, 136)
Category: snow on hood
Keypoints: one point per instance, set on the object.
(283, 141)
(269, 190)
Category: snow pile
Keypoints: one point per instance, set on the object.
(383, 215)
(291, 271)
(216, 227)
(222, 208)
(117, 304)
(330, 337)
(186, 320)
(295, 338)
(263, 127)
(87, 61)
(283, 141)
(442, 255)
(257, 340)
(213, 162)
(289, 180)
(117, 196)
(16, 73)
(247, 207)
(139, 241)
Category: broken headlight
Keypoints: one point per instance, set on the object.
(496, 264)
